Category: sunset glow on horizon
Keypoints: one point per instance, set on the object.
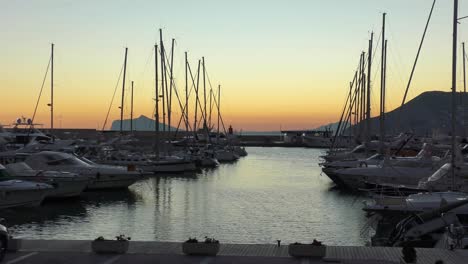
(280, 64)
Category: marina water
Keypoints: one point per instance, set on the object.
(273, 193)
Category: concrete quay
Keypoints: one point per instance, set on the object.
(79, 251)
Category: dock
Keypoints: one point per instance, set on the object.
(79, 251)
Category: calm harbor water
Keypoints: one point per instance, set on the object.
(273, 193)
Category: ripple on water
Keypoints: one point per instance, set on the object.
(273, 193)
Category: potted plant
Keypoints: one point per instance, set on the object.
(105, 246)
(209, 247)
(409, 255)
(14, 244)
(315, 249)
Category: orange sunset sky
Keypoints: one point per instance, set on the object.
(279, 63)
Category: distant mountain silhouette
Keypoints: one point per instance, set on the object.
(330, 126)
(428, 113)
(141, 123)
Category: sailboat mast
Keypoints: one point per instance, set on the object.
(131, 112)
(156, 98)
(163, 75)
(219, 114)
(196, 100)
(464, 71)
(211, 107)
(186, 96)
(169, 97)
(204, 93)
(123, 92)
(368, 103)
(350, 109)
(52, 89)
(362, 88)
(382, 89)
(454, 84)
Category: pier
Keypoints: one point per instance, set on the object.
(79, 251)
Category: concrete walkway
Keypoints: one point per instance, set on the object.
(79, 251)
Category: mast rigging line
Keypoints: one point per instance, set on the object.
(112, 100)
(182, 108)
(197, 97)
(40, 92)
(417, 55)
(214, 99)
(189, 93)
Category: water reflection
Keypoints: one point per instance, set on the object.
(109, 197)
(274, 193)
(55, 211)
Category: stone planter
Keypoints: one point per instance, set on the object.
(203, 249)
(306, 250)
(110, 246)
(402, 261)
(14, 244)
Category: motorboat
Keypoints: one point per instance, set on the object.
(204, 159)
(240, 151)
(102, 176)
(225, 155)
(399, 170)
(18, 193)
(426, 229)
(23, 133)
(161, 164)
(65, 184)
(330, 168)
(416, 203)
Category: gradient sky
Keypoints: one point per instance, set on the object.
(279, 63)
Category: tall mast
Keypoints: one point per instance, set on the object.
(361, 97)
(186, 96)
(52, 89)
(368, 103)
(356, 101)
(204, 94)
(163, 75)
(169, 97)
(219, 114)
(123, 92)
(196, 99)
(454, 84)
(156, 98)
(464, 71)
(211, 107)
(131, 112)
(382, 88)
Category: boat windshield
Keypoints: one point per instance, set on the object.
(358, 149)
(376, 157)
(19, 166)
(4, 174)
(444, 170)
(67, 162)
(62, 159)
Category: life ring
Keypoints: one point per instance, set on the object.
(362, 164)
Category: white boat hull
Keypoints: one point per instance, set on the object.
(22, 198)
(388, 175)
(172, 167)
(226, 156)
(112, 182)
(63, 188)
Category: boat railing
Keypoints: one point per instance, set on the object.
(389, 200)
